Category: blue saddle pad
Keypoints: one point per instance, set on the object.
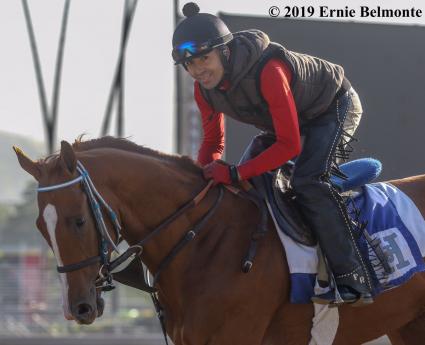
(393, 221)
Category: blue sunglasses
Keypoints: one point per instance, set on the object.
(188, 50)
(191, 49)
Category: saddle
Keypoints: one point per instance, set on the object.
(275, 188)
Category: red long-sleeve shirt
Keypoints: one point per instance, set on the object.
(274, 80)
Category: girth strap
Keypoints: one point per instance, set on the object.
(261, 231)
(254, 196)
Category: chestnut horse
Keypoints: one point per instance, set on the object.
(206, 297)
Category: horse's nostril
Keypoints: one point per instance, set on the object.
(84, 309)
(84, 313)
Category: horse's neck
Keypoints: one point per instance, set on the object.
(146, 191)
(157, 191)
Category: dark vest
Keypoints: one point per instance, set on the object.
(314, 83)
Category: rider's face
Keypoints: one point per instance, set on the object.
(207, 69)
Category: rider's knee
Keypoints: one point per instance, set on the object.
(307, 185)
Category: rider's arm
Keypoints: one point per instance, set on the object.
(275, 88)
(212, 146)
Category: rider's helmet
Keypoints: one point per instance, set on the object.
(198, 34)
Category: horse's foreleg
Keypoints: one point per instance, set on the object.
(233, 333)
(290, 326)
(227, 329)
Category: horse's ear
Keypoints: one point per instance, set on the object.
(68, 156)
(27, 164)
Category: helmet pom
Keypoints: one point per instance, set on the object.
(190, 9)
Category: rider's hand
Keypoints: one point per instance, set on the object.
(217, 171)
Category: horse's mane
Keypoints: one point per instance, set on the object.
(124, 144)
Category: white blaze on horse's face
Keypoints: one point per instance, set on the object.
(51, 218)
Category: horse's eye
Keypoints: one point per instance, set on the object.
(79, 222)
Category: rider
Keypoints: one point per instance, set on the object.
(284, 93)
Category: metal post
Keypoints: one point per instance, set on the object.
(49, 118)
(58, 74)
(121, 84)
(178, 93)
(129, 10)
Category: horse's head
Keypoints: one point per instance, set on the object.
(66, 223)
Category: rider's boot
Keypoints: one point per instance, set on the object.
(344, 294)
(326, 213)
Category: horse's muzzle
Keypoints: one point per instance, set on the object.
(84, 313)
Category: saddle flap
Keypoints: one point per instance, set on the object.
(289, 210)
(274, 189)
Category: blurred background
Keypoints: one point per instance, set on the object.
(117, 77)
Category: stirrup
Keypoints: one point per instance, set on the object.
(363, 300)
(333, 298)
(337, 297)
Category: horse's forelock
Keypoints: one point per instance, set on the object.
(50, 165)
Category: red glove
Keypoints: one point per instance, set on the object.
(218, 171)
